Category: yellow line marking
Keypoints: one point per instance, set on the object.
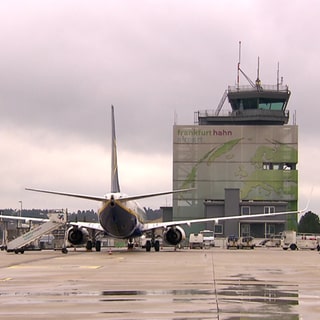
(5, 279)
(55, 267)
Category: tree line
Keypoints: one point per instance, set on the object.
(80, 215)
(309, 223)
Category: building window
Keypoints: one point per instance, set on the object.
(245, 230)
(269, 209)
(187, 203)
(286, 166)
(276, 166)
(218, 229)
(245, 210)
(267, 166)
(271, 230)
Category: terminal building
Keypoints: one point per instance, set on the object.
(242, 162)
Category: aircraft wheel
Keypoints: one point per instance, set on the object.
(64, 250)
(157, 245)
(89, 245)
(98, 246)
(130, 245)
(148, 245)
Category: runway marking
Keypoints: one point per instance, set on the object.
(53, 267)
(5, 279)
(79, 267)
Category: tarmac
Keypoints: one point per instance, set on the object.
(216, 283)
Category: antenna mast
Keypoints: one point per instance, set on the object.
(278, 76)
(238, 72)
(258, 82)
(258, 70)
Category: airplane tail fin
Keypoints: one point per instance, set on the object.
(115, 187)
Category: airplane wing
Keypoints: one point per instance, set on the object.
(26, 219)
(156, 225)
(89, 225)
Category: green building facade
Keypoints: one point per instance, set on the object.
(247, 150)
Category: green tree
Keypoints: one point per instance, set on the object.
(309, 223)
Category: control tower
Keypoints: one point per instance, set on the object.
(254, 104)
(242, 160)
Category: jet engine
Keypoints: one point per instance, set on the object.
(77, 236)
(174, 235)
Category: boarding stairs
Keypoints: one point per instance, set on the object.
(55, 221)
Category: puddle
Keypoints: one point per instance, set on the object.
(259, 292)
(157, 292)
(238, 297)
(234, 298)
(255, 299)
(182, 296)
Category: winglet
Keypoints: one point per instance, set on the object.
(115, 187)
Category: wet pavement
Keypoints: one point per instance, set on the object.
(186, 284)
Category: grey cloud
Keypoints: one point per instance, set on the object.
(63, 64)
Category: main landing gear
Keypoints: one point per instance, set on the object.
(96, 244)
(130, 244)
(152, 243)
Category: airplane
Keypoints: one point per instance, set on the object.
(121, 216)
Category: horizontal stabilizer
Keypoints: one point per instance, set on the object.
(123, 197)
(74, 195)
(149, 195)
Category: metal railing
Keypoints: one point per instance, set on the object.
(267, 87)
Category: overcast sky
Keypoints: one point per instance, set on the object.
(63, 63)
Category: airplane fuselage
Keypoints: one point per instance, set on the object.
(121, 219)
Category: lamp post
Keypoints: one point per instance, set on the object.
(20, 214)
(20, 208)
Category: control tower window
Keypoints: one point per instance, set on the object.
(245, 104)
(270, 104)
(258, 103)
